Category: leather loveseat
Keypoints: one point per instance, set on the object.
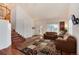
(69, 46)
(50, 35)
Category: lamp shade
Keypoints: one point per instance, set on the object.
(5, 34)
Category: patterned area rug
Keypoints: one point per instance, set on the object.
(41, 47)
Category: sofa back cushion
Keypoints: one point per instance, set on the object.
(51, 33)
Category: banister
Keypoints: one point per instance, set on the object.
(8, 12)
(5, 7)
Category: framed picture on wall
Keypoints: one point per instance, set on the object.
(62, 25)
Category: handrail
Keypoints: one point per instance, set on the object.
(5, 7)
(8, 12)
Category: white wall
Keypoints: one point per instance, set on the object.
(21, 21)
(74, 9)
(5, 34)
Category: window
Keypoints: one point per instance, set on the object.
(53, 28)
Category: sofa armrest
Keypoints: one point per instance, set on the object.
(60, 44)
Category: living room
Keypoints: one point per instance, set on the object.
(38, 26)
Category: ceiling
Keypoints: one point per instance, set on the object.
(47, 10)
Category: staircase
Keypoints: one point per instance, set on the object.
(5, 12)
(17, 39)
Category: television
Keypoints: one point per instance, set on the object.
(75, 20)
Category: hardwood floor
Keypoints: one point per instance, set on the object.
(10, 51)
(16, 52)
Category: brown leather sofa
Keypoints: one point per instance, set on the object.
(69, 46)
(50, 35)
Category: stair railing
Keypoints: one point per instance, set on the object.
(5, 12)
